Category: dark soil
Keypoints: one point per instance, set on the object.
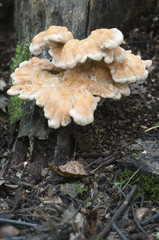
(57, 207)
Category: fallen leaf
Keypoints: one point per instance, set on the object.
(70, 169)
(75, 218)
(142, 213)
(69, 214)
(8, 231)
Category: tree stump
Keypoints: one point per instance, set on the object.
(33, 136)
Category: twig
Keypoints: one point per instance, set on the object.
(147, 134)
(52, 223)
(131, 178)
(142, 199)
(118, 213)
(154, 217)
(122, 193)
(136, 221)
(4, 220)
(106, 161)
(98, 159)
(13, 238)
(91, 155)
(119, 232)
(133, 211)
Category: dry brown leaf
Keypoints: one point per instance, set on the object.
(142, 213)
(8, 231)
(70, 169)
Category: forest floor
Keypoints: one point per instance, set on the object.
(88, 207)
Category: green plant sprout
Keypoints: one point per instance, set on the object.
(134, 155)
(80, 188)
(16, 105)
(149, 184)
(153, 127)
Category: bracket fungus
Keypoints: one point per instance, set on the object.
(79, 75)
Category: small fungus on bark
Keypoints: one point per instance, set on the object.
(79, 75)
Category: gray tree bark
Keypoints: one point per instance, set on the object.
(80, 17)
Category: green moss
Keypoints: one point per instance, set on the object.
(22, 53)
(16, 105)
(15, 109)
(149, 184)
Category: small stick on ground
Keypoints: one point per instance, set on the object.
(106, 161)
(134, 215)
(136, 221)
(154, 217)
(92, 155)
(119, 232)
(147, 134)
(13, 238)
(131, 178)
(4, 220)
(118, 213)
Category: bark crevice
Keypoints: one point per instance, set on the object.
(87, 17)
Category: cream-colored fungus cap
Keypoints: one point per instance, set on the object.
(132, 69)
(54, 34)
(102, 43)
(80, 74)
(71, 93)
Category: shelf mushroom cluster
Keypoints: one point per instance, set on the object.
(80, 74)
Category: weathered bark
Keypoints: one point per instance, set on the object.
(33, 16)
(116, 13)
(80, 17)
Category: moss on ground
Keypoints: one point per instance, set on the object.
(16, 105)
(148, 184)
